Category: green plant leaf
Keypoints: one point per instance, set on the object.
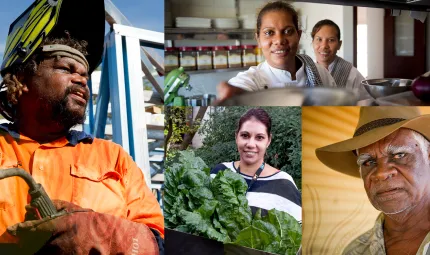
(198, 223)
(253, 237)
(289, 230)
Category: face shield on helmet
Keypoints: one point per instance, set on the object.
(83, 20)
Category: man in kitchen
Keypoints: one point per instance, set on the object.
(390, 152)
(104, 205)
(278, 36)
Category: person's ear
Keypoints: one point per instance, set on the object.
(340, 44)
(299, 33)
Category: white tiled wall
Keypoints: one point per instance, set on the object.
(203, 8)
(250, 6)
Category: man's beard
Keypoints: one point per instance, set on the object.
(62, 114)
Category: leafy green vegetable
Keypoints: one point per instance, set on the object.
(277, 232)
(218, 209)
(233, 211)
(189, 202)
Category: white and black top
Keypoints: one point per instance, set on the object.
(275, 191)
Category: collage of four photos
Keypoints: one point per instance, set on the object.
(215, 127)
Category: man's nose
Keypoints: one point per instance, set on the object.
(79, 79)
(384, 170)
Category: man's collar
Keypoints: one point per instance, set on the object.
(73, 137)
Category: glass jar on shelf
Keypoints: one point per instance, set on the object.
(259, 55)
(204, 58)
(171, 59)
(187, 58)
(234, 56)
(220, 57)
(248, 55)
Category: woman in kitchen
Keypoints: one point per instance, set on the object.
(268, 187)
(326, 42)
(278, 36)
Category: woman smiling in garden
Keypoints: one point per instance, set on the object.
(268, 187)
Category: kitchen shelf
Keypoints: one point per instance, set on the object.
(174, 30)
(420, 5)
(237, 69)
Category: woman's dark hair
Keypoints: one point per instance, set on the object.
(325, 22)
(260, 115)
(277, 6)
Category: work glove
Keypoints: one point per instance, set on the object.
(75, 230)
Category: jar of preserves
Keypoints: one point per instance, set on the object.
(187, 58)
(220, 57)
(234, 57)
(171, 59)
(204, 58)
(248, 55)
(259, 55)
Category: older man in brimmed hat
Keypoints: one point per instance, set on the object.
(390, 152)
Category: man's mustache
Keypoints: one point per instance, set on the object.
(78, 88)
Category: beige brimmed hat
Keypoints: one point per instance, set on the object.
(374, 124)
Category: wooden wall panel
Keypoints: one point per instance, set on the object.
(335, 206)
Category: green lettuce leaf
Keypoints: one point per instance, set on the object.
(233, 212)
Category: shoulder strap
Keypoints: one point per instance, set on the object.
(340, 72)
(311, 70)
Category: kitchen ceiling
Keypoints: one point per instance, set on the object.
(416, 5)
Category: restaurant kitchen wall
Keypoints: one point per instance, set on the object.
(373, 19)
(375, 43)
(208, 9)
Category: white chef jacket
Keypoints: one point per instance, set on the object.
(264, 76)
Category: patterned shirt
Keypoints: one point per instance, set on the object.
(372, 242)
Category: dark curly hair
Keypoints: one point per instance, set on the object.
(277, 6)
(11, 86)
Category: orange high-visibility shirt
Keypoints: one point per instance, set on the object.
(92, 173)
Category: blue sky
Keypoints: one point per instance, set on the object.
(146, 14)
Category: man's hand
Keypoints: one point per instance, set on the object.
(226, 90)
(75, 230)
